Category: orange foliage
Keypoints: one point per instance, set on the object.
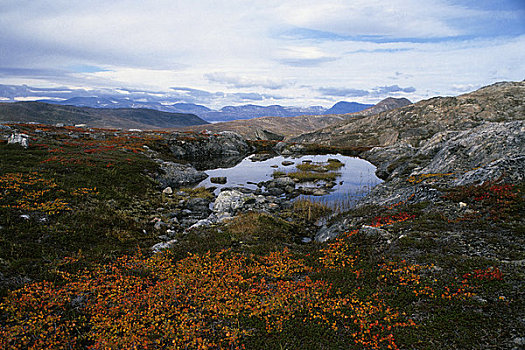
(200, 302)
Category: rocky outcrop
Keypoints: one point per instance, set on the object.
(208, 146)
(263, 134)
(416, 123)
(387, 104)
(489, 152)
(460, 152)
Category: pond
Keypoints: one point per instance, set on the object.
(356, 179)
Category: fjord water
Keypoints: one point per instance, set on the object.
(357, 176)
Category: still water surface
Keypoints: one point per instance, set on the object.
(356, 180)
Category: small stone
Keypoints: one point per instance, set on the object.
(519, 341)
(25, 216)
(273, 206)
(320, 192)
(462, 205)
(168, 190)
(275, 191)
(200, 223)
(157, 248)
(173, 220)
(219, 180)
(330, 184)
(306, 240)
(287, 163)
(260, 157)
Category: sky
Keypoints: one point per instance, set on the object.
(288, 52)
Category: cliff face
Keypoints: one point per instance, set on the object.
(418, 122)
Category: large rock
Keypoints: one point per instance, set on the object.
(491, 151)
(178, 175)
(20, 139)
(386, 158)
(223, 144)
(230, 201)
(469, 149)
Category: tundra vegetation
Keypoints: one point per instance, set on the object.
(77, 271)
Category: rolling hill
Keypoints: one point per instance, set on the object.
(125, 118)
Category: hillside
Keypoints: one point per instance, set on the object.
(105, 241)
(413, 123)
(165, 102)
(347, 107)
(126, 118)
(279, 128)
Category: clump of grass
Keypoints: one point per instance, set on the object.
(311, 172)
(278, 173)
(260, 228)
(308, 210)
(334, 164)
(198, 192)
(330, 165)
(317, 167)
(307, 176)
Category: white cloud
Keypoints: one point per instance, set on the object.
(239, 47)
(395, 18)
(243, 81)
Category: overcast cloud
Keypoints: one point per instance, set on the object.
(298, 52)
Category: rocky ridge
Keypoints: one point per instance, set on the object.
(420, 121)
(279, 128)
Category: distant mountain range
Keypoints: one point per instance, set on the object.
(227, 113)
(124, 118)
(276, 128)
(123, 98)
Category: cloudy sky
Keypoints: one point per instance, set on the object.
(288, 52)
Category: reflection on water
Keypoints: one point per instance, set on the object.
(356, 179)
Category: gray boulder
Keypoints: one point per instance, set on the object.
(328, 232)
(178, 175)
(230, 201)
(20, 139)
(379, 236)
(508, 169)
